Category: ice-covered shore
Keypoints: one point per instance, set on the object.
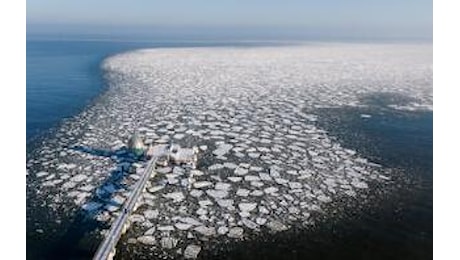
(264, 164)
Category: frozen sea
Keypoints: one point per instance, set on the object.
(64, 78)
(64, 75)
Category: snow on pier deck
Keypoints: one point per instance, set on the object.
(264, 163)
(106, 249)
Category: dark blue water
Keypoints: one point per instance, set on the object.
(63, 75)
(398, 225)
(402, 226)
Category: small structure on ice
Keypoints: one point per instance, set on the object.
(180, 155)
(136, 145)
(173, 154)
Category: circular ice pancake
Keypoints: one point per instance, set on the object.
(263, 163)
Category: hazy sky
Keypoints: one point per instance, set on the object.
(412, 18)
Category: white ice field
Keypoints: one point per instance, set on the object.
(263, 163)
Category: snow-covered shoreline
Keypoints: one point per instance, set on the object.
(258, 103)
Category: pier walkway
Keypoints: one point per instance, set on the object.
(107, 249)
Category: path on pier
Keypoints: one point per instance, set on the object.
(106, 249)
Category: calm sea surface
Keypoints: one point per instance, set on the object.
(63, 76)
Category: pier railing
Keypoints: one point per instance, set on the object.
(106, 249)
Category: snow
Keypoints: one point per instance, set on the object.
(211, 98)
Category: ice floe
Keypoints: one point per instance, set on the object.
(249, 114)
